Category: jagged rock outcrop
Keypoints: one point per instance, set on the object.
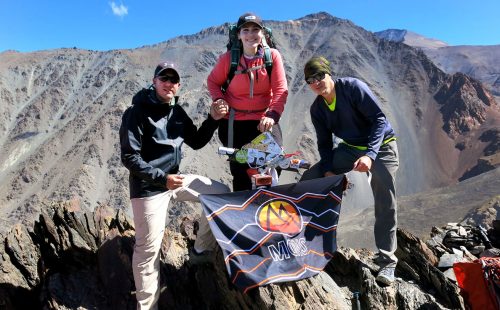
(465, 104)
(72, 260)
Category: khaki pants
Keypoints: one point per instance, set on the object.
(149, 218)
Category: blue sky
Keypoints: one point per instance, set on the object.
(29, 25)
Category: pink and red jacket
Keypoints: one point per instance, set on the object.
(269, 97)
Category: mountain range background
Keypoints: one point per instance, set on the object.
(61, 109)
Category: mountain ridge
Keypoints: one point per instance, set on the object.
(61, 110)
(478, 61)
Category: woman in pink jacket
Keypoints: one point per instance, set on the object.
(254, 98)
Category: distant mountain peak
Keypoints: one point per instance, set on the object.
(409, 38)
(319, 15)
(395, 35)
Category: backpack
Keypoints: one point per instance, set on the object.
(479, 282)
(235, 47)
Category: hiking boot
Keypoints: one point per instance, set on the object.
(386, 275)
(203, 258)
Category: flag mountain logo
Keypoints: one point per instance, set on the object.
(251, 229)
(279, 216)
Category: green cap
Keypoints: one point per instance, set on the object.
(315, 65)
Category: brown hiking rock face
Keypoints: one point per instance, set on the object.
(465, 104)
(72, 260)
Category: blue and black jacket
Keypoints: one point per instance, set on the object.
(356, 118)
(151, 137)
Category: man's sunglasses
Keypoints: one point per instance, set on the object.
(315, 78)
(170, 78)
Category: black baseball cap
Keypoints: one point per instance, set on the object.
(249, 18)
(164, 67)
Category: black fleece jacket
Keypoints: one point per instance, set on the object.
(151, 137)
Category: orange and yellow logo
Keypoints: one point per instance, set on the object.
(279, 216)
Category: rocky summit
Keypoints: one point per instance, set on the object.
(71, 260)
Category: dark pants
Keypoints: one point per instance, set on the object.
(383, 184)
(244, 132)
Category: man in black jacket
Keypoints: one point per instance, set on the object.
(152, 132)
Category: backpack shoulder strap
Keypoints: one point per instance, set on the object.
(235, 48)
(268, 59)
(235, 59)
